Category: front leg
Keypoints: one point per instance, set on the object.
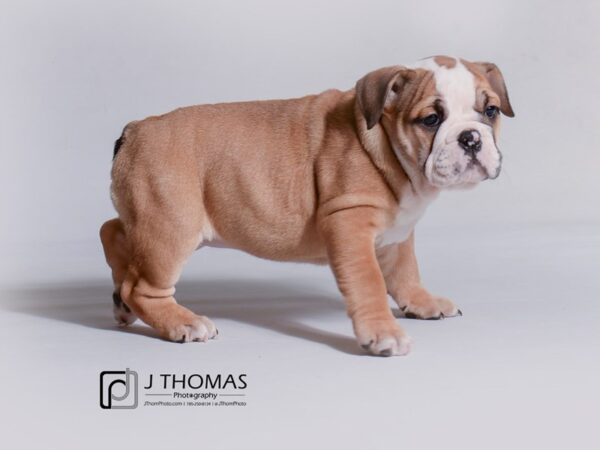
(349, 237)
(398, 264)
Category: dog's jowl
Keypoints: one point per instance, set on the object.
(339, 178)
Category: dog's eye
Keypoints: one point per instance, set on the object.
(432, 120)
(491, 111)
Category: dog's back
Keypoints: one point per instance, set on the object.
(246, 169)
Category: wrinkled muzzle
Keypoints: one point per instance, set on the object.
(463, 154)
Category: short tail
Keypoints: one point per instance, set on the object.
(119, 142)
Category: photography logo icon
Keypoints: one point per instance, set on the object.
(119, 389)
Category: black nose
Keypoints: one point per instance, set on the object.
(470, 141)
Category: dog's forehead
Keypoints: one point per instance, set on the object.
(455, 83)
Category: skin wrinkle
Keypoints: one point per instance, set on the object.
(384, 177)
(408, 105)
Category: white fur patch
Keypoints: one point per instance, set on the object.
(208, 232)
(456, 86)
(209, 236)
(411, 209)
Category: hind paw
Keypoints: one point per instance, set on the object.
(121, 311)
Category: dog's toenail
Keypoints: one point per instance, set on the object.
(367, 346)
(459, 312)
(410, 315)
(386, 352)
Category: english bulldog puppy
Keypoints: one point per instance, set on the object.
(338, 178)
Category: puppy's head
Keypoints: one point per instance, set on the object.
(441, 116)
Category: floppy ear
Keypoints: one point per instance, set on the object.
(496, 80)
(375, 88)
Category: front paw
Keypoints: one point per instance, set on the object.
(382, 337)
(420, 304)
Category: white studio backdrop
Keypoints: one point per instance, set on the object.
(519, 255)
(73, 73)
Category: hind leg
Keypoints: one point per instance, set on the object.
(159, 248)
(117, 254)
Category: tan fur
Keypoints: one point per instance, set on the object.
(445, 61)
(305, 179)
(490, 79)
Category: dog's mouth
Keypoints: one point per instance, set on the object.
(475, 164)
(460, 174)
(486, 172)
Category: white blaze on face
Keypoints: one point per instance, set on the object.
(448, 163)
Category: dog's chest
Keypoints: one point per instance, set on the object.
(411, 209)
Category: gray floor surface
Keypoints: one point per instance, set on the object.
(519, 370)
